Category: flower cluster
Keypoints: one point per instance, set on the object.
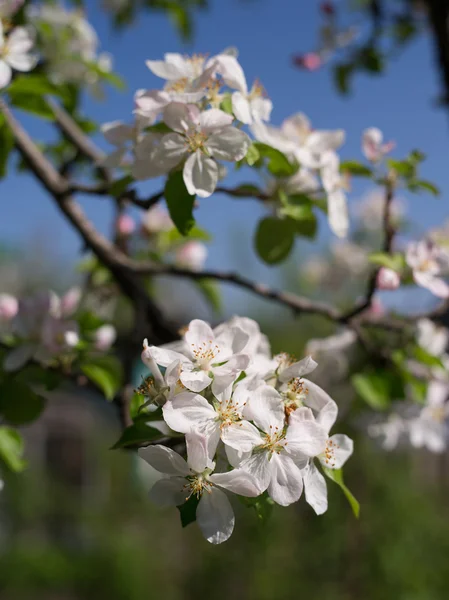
(16, 44)
(254, 415)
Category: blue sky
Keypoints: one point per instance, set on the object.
(267, 33)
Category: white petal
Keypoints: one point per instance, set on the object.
(337, 212)
(169, 491)
(236, 481)
(213, 119)
(266, 409)
(322, 141)
(215, 517)
(172, 373)
(298, 369)
(197, 453)
(259, 467)
(305, 437)
(117, 133)
(172, 149)
(165, 460)
(187, 411)
(22, 62)
(200, 175)
(20, 40)
(241, 108)
(196, 381)
(437, 286)
(199, 333)
(229, 144)
(5, 74)
(151, 102)
(286, 480)
(297, 127)
(342, 447)
(235, 458)
(242, 436)
(172, 69)
(319, 401)
(231, 71)
(181, 117)
(261, 109)
(315, 489)
(165, 357)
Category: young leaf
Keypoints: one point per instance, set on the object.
(179, 203)
(278, 163)
(106, 372)
(253, 155)
(396, 262)
(356, 168)
(11, 449)
(374, 389)
(274, 239)
(137, 433)
(336, 475)
(211, 293)
(19, 404)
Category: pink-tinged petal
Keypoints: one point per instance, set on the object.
(371, 141)
(197, 453)
(241, 436)
(229, 144)
(437, 286)
(172, 373)
(215, 517)
(196, 381)
(213, 119)
(187, 411)
(165, 460)
(151, 102)
(322, 404)
(200, 175)
(5, 74)
(304, 437)
(266, 409)
(315, 489)
(387, 279)
(169, 491)
(171, 151)
(237, 481)
(286, 480)
(258, 466)
(241, 108)
(198, 333)
(298, 369)
(181, 117)
(70, 301)
(339, 448)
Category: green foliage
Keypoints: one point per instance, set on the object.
(378, 388)
(262, 505)
(210, 291)
(422, 185)
(136, 434)
(19, 404)
(396, 262)
(106, 372)
(120, 185)
(336, 475)
(277, 163)
(11, 449)
(187, 511)
(303, 219)
(342, 77)
(425, 358)
(179, 202)
(356, 168)
(274, 239)
(253, 155)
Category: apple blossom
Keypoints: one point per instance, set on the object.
(15, 52)
(125, 225)
(120, 135)
(335, 185)
(191, 255)
(387, 279)
(104, 337)
(9, 307)
(311, 61)
(372, 145)
(391, 431)
(196, 477)
(431, 428)
(156, 220)
(428, 263)
(199, 137)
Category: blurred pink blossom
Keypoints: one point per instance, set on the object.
(387, 279)
(105, 336)
(191, 255)
(9, 307)
(125, 225)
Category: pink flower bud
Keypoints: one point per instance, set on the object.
(104, 337)
(192, 255)
(156, 220)
(70, 301)
(9, 307)
(125, 225)
(387, 279)
(310, 61)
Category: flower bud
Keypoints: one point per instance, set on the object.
(125, 225)
(104, 337)
(9, 307)
(387, 279)
(70, 301)
(192, 255)
(311, 61)
(156, 220)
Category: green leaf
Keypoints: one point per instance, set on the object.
(34, 84)
(425, 358)
(120, 185)
(6, 145)
(89, 322)
(378, 389)
(174, 237)
(226, 104)
(210, 290)
(104, 371)
(159, 128)
(37, 105)
(187, 511)
(179, 203)
(11, 449)
(391, 261)
(342, 75)
(356, 168)
(19, 404)
(262, 505)
(336, 475)
(253, 155)
(274, 239)
(278, 163)
(371, 60)
(424, 185)
(404, 168)
(136, 434)
(304, 220)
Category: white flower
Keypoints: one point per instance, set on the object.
(387, 279)
(156, 220)
(9, 307)
(372, 145)
(162, 387)
(279, 450)
(335, 185)
(208, 358)
(120, 135)
(391, 431)
(199, 137)
(191, 255)
(431, 337)
(430, 430)
(248, 106)
(15, 53)
(104, 337)
(195, 477)
(428, 263)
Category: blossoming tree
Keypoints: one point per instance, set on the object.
(217, 414)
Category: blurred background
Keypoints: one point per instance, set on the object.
(77, 523)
